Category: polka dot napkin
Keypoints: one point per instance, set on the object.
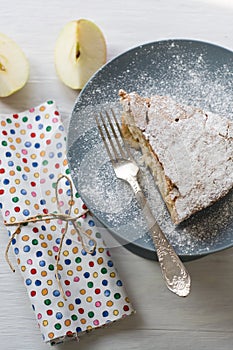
(32, 157)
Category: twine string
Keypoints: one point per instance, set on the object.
(55, 216)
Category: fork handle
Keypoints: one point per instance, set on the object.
(173, 270)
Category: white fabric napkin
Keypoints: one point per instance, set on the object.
(32, 157)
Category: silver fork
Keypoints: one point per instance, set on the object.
(174, 272)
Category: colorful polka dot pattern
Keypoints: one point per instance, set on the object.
(32, 157)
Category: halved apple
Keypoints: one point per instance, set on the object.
(79, 52)
(14, 67)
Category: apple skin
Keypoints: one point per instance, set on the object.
(14, 67)
(80, 51)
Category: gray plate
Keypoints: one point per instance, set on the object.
(191, 72)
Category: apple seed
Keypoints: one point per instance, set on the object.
(77, 51)
(2, 67)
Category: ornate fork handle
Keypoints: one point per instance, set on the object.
(174, 272)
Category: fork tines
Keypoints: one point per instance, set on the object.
(111, 135)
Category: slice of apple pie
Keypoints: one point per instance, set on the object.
(189, 151)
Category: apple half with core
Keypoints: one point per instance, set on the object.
(14, 67)
(80, 51)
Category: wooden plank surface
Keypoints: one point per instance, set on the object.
(204, 320)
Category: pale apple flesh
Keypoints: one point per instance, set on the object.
(14, 67)
(80, 51)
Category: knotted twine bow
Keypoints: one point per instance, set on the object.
(55, 216)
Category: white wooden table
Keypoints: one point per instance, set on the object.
(204, 320)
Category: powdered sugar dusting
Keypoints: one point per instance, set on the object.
(192, 145)
(191, 73)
